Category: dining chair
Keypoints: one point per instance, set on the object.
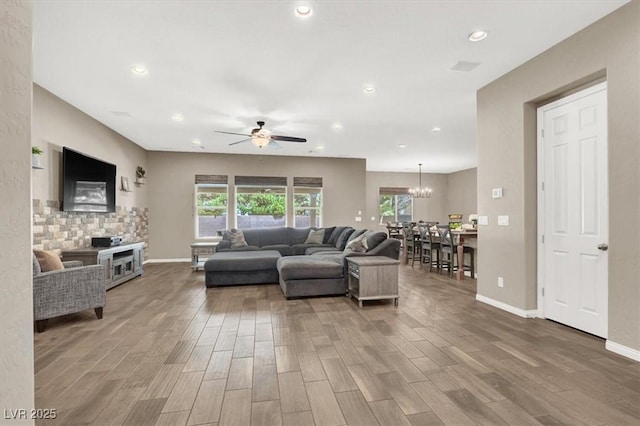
(449, 252)
(411, 242)
(429, 244)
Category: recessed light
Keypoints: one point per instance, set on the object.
(320, 147)
(139, 69)
(196, 142)
(369, 89)
(337, 126)
(177, 117)
(402, 146)
(436, 129)
(304, 11)
(478, 35)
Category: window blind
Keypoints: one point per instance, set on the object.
(385, 190)
(212, 179)
(309, 182)
(261, 180)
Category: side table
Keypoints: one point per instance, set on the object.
(373, 278)
(202, 249)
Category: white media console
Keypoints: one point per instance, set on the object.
(122, 262)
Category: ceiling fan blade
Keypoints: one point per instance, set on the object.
(243, 140)
(274, 144)
(231, 133)
(287, 138)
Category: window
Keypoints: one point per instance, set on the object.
(307, 207)
(395, 205)
(261, 206)
(211, 209)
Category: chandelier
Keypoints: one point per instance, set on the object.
(420, 191)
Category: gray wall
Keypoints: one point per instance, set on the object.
(462, 193)
(57, 124)
(171, 191)
(507, 158)
(16, 287)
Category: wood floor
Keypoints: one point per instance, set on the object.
(170, 352)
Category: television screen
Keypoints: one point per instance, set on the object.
(89, 184)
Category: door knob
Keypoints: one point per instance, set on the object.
(603, 247)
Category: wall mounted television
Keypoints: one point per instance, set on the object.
(89, 184)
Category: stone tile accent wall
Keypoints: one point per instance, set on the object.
(57, 230)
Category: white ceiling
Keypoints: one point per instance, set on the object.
(224, 65)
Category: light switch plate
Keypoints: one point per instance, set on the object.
(496, 193)
(503, 220)
(358, 219)
(483, 220)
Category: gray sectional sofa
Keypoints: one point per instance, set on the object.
(303, 269)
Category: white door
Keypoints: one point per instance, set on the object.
(574, 210)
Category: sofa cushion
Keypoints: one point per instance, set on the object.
(357, 245)
(375, 238)
(48, 260)
(242, 261)
(316, 236)
(296, 235)
(320, 249)
(341, 242)
(300, 249)
(283, 249)
(271, 236)
(305, 267)
(244, 248)
(236, 238)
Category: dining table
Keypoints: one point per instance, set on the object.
(461, 235)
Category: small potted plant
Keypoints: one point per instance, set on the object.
(35, 157)
(141, 175)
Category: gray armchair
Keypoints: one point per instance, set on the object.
(66, 291)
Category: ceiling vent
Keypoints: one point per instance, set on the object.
(465, 66)
(121, 114)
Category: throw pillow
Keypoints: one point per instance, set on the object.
(355, 234)
(358, 244)
(315, 236)
(341, 242)
(236, 238)
(335, 234)
(48, 260)
(375, 238)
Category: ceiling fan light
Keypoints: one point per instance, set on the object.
(260, 142)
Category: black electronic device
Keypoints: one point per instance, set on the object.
(89, 184)
(105, 241)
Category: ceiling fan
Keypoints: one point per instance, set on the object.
(263, 137)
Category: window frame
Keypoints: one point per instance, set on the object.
(395, 206)
(238, 192)
(224, 209)
(302, 190)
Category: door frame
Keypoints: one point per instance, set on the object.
(540, 179)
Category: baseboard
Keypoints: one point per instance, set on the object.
(625, 351)
(511, 309)
(179, 260)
